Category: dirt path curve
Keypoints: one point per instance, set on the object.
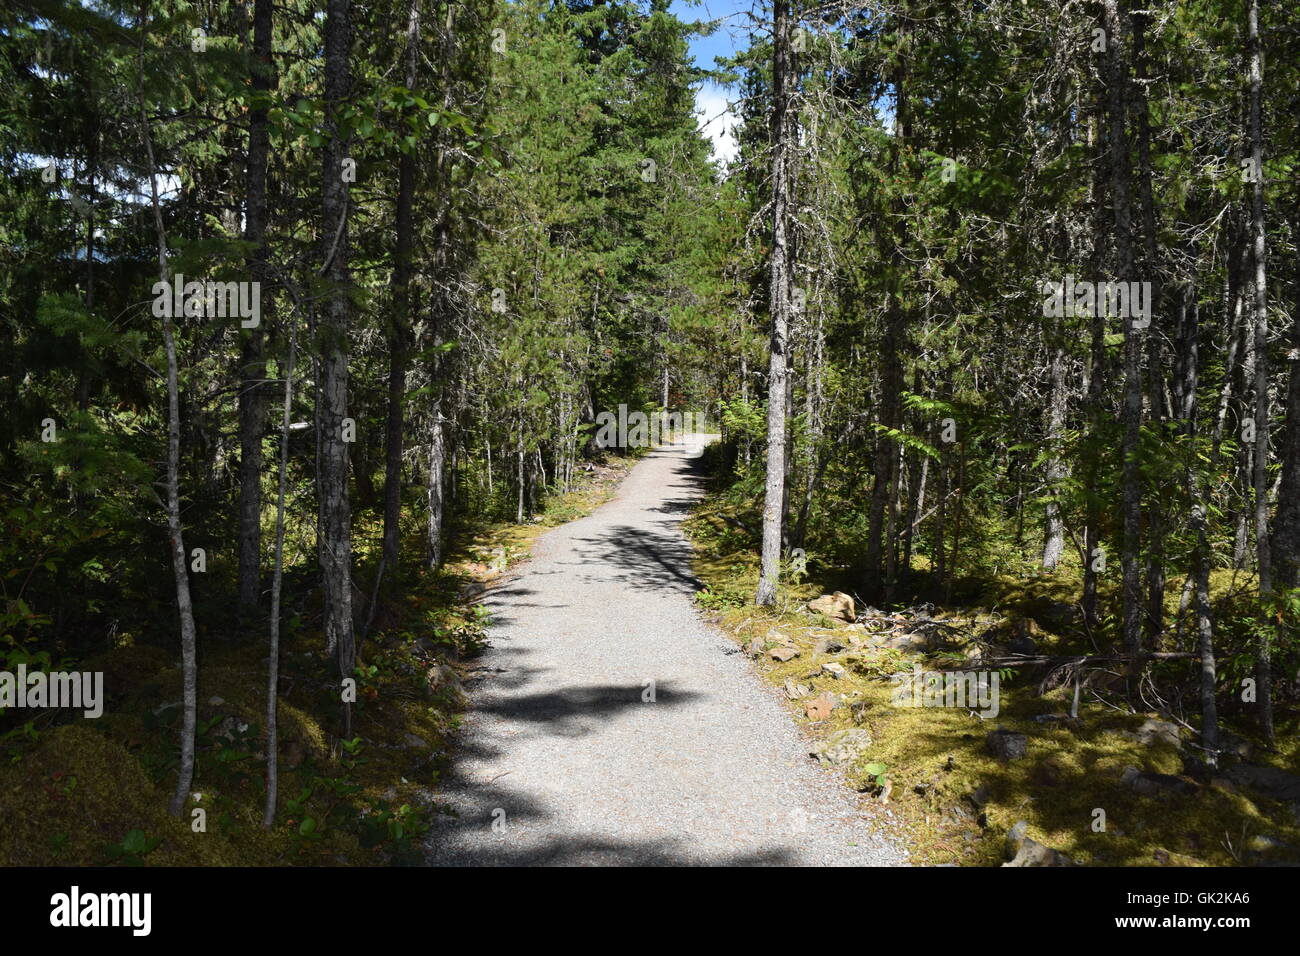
(562, 753)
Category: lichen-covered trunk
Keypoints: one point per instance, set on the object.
(1131, 480)
(1263, 557)
(779, 305)
(252, 364)
(334, 530)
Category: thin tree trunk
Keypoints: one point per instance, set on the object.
(252, 363)
(403, 316)
(277, 578)
(189, 661)
(335, 532)
(779, 304)
(437, 457)
(1130, 556)
(1263, 663)
(1189, 316)
(1057, 470)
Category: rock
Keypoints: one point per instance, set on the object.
(755, 647)
(820, 707)
(831, 669)
(1022, 644)
(827, 645)
(841, 747)
(1264, 850)
(1234, 745)
(1158, 732)
(231, 728)
(441, 676)
(908, 641)
(416, 741)
(1155, 784)
(215, 701)
(783, 654)
(980, 796)
(1269, 781)
(1161, 857)
(795, 691)
(1025, 851)
(1007, 744)
(837, 606)
(471, 590)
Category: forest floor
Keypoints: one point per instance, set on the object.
(609, 724)
(1110, 786)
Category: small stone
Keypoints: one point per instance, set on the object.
(842, 747)
(827, 645)
(755, 647)
(794, 690)
(783, 654)
(833, 670)
(215, 701)
(1270, 781)
(820, 707)
(1155, 784)
(1028, 852)
(1158, 732)
(1007, 744)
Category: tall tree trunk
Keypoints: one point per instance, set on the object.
(403, 319)
(252, 363)
(1285, 540)
(779, 302)
(1263, 662)
(437, 458)
(1131, 549)
(1154, 618)
(335, 521)
(189, 658)
(1057, 470)
(277, 579)
(1189, 331)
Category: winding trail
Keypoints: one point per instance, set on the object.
(560, 750)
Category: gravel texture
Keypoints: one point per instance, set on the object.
(562, 761)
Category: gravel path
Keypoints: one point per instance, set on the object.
(561, 761)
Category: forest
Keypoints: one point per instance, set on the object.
(319, 321)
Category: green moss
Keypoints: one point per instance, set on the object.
(936, 758)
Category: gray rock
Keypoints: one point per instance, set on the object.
(841, 747)
(827, 645)
(1156, 784)
(1007, 744)
(1271, 782)
(1235, 745)
(1158, 732)
(908, 641)
(1025, 851)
